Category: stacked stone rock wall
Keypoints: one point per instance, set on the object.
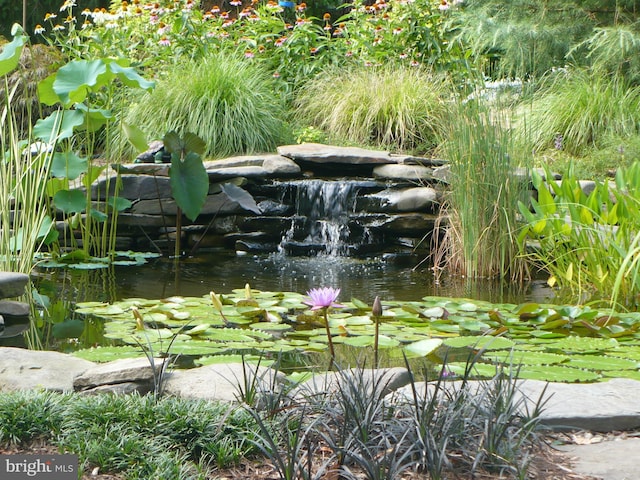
(394, 210)
(14, 315)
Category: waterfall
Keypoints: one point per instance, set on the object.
(321, 222)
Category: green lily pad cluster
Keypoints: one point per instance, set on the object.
(545, 342)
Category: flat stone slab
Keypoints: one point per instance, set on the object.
(12, 284)
(403, 172)
(608, 460)
(601, 407)
(22, 369)
(319, 153)
(14, 308)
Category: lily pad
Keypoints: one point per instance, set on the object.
(479, 343)
(423, 348)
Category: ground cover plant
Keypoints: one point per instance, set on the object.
(353, 431)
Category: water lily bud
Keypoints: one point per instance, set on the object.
(247, 291)
(377, 307)
(216, 301)
(138, 317)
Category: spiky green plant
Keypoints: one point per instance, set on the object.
(583, 110)
(228, 103)
(395, 108)
(480, 211)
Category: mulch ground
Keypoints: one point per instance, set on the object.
(547, 464)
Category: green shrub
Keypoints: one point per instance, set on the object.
(396, 108)
(579, 110)
(228, 103)
(587, 243)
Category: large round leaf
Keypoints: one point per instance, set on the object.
(10, 55)
(70, 201)
(76, 79)
(189, 183)
(68, 165)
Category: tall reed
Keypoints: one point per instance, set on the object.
(480, 211)
(24, 172)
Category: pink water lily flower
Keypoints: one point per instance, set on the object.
(324, 297)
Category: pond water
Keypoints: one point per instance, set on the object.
(390, 277)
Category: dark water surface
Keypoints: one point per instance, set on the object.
(390, 278)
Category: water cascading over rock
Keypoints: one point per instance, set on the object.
(321, 222)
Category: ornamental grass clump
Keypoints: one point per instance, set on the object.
(228, 103)
(584, 109)
(395, 107)
(480, 212)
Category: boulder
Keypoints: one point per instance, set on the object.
(279, 166)
(219, 173)
(124, 371)
(224, 382)
(380, 382)
(133, 187)
(12, 284)
(403, 172)
(22, 369)
(219, 204)
(417, 199)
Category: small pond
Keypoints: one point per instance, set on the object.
(390, 277)
(166, 306)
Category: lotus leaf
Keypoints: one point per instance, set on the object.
(468, 307)
(445, 327)
(434, 312)
(474, 325)
(556, 373)
(198, 329)
(358, 341)
(359, 320)
(524, 357)
(631, 374)
(68, 329)
(481, 370)
(197, 348)
(220, 359)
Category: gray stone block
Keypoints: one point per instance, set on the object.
(12, 284)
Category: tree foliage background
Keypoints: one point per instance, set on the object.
(527, 38)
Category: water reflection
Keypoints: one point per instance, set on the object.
(391, 278)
